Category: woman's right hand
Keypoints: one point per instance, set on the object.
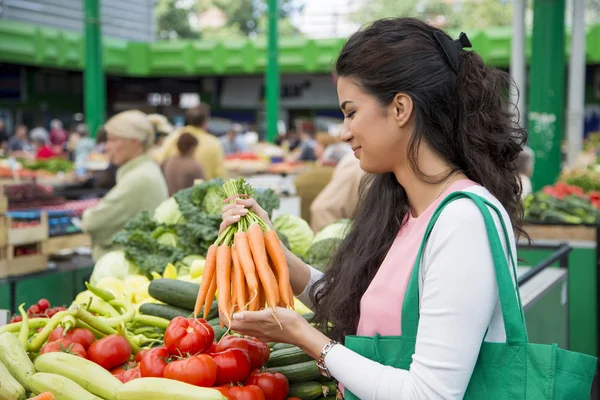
(231, 213)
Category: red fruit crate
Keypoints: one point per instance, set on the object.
(27, 234)
(22, 260)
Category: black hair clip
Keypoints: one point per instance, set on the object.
(452, 47)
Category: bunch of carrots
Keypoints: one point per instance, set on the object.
(246, 264)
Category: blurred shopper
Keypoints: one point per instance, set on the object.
(162, 129)
(107, 178)
(182, 169)
(43, 149)
(140, 182)
(77, 132)
(339, 198)
(58, 136)
(330, 149)
(3, 134)
(39, 132)
(19, 145)
(251, 136)
(209, 152)
(84, 147)
(308, 143)
(233, 141)
(526, 162)
(290, 141)
(311, 183)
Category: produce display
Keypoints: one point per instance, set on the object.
(562, 204)
(325, 243)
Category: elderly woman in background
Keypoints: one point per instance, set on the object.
(140, 182)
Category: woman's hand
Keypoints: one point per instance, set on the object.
(231, 213)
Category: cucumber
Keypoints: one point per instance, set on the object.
(62, 388)
(306, 390)
(15, 359)
(329, 388)
(9, 387)
(289, 356)
(161, 388)
(176, 293)
(219, 332)
(279, 346)
(308, 316)
(214, 321)
(301, 372)
(164, 311)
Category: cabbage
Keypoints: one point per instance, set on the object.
(337, 230)
(297, 231)
(168, 213)
(113, 264)
(168, 238)
(212, 202)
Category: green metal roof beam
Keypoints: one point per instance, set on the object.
(42, 46)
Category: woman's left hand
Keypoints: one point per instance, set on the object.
(262, 325)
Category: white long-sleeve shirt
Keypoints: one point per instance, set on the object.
(458, 301)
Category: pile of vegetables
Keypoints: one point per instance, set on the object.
(562, 204)
(325, 243)
(181, 229)
(246, 264)
(51, 166)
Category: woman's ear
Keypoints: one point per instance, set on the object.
(402, 109)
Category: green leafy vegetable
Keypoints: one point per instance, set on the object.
(268, 200)
(113, 264)
(297, 231)
(168, 213)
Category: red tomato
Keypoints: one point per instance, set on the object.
(293, 398)
(233, 366)
(250, 392)
(154, 362)
(275, 386)
(198, 370)
(110, 351)
(125, 367)
(66, 346)
(33, 310)
(257, 350)
(84, 337)
(16, 318)
(43, 305)
(127, 375)
(213, 348)
(188, 336)
(225, 391)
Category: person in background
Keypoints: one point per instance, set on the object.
(209, 152)
(39, 132)
(182, 170)
(107, 178)
(58, 136)
(162, 129)
(77, 132)
(140, 182)
(233, 141)
(290, 141)
(339, 198)
(312, 182)
(330, 149)
(85, 146)
(3, 134)
(251, 136)
(43, 149)
(525, 164)
(307, 143)
(19, 145)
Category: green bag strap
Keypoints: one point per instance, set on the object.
(512, 314)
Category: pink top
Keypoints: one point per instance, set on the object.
(381, 305)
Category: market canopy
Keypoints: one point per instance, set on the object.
(48, 47)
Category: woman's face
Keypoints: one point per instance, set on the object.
(378, 134)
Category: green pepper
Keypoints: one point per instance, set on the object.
(40, 338)
(15, 327)
(68, 323)
(24, 332)
(127, 316)
(135, 348)
(103, 294)
(96, 323)
(95, 304)
(149, 320)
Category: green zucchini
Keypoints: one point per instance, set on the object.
(301, 372)
(306, 390)
(9, 387)
(166, 311)
(289, 356)
(279, 346)
(176, 293)
(329, 388)
(308, 316)
(219, 332)
(214, 321)
(15, 359)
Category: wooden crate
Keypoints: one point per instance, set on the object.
(34, 234)
(3, 230)
(3, 263)
(57, 243)
(29, 264)
(561, 232)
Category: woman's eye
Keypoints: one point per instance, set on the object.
(350, 115)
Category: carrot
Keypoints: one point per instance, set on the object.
(210, 296)
(255, 304)
(44, 396)
(279, 265)
(209, 271)
(239, 285)
(224, 279)
(261, 261)
(242, 246)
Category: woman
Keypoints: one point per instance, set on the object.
(182, 170)
(425, 118)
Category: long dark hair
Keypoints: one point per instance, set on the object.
(464, 116)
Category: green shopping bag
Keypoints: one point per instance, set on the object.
(516, 369)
